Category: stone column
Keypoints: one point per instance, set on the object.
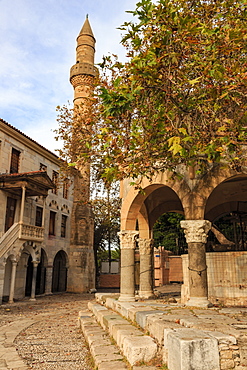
(12, 281)
(196, 236)
(22, 204)
(48, 280)
(127, 283)
(146, 281)
(35, 265)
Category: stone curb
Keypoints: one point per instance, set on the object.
(105, 354)
(135, 346)
(9, 358)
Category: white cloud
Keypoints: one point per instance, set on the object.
(38, 40)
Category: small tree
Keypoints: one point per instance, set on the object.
(106, 226)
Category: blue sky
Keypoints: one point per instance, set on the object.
(37, 41)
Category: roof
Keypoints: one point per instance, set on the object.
(35, 182)
(86, 29)
(27, 137)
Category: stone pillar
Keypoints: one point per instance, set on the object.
(127, 283)
(146, 280)
(196, 236)
(35, 265)
(12, 281)
(22, 204)
(48, 280)
(2, 275)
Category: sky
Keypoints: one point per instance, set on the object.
(37, 43)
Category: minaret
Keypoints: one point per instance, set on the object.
(81, 273)
(84, 71)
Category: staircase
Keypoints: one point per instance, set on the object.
(157, 334)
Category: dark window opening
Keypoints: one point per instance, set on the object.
(39, 214)
(52, 223)
(15, 160)
(55, 181)
(66, 189)
(63, 226)
(10, 213)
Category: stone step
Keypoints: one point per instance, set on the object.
(105, 353)
(133, 343)
(187, 338)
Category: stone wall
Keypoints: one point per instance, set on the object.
(227, 278)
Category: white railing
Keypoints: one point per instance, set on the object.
(19, 231)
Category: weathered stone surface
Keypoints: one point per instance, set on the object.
(156, 324)
(141, 317)
(139, 349)
(113, 365)
(192, 349)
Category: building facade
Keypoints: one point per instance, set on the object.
(46, 225)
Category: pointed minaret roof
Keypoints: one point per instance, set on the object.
(86, 28)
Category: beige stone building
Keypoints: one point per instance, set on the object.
(46, 229)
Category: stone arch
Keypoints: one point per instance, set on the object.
(59, 273)
(7, 277)
(148, 206)
(41, 273)
(33, 249)
(230, 195)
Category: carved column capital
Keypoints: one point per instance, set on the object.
(145, 246)
(196, 231)
(128, 238)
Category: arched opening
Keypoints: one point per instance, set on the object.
(226, 256)
(41, 274)
(7, 279)
(29, 276)
(59, 274)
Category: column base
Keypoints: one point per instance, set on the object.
(32, 299)
(199, 302)
(126, 298)
(145, 294)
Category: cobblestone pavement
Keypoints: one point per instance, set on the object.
(48, 336)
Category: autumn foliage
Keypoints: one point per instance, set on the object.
(180, 98)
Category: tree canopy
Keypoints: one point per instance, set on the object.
(180, 98)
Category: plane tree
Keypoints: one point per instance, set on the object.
(179, 98)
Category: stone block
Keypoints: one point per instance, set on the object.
(133, 311)
(110, 302)
(107, 319)
(141, 317)
(114, 325)
(227, 364)
(98, 359)
(102, 350)
(122, 333)
(192, 349)
(156, 324)
(113, 365)
(139, 348)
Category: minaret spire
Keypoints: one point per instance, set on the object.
(84, 71)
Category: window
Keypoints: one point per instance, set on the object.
(65, 188)
(39, 214)
(52, 223)
(42, 167)
(63, 226)
(15, 160)
(55, 181)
